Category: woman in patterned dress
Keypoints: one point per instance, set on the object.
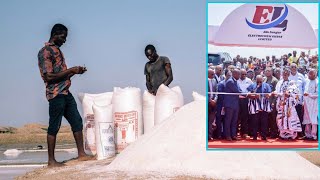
(287, 98)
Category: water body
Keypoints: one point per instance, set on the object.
(35, 157)
(28, 159)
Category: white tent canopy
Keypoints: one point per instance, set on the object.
(264, 25)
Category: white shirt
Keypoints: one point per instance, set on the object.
(210, 87)
(238, 64)
(244, 84)
(302, 61)
(300, 82)
(312, 87)
(218, 78)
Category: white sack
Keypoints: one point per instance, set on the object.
(198, 97)
(127, 116)
(101, 99)
(104, 131)
(168, 101)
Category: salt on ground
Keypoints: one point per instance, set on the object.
(12, 152)
(177, 147)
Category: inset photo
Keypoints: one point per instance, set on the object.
(262, 69)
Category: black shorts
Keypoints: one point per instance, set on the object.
(63, 105)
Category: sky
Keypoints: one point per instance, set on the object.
(109, 37)
(217, 12)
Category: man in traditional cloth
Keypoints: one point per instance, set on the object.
(311, 106)
(287, 98)
(259, 107)
(300, 82)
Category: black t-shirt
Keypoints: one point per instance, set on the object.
(156, 71)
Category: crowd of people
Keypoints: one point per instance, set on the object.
(264, 98)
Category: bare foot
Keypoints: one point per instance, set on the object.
(86, 158)
(55, 164)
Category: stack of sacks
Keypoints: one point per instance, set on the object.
(113, 120)
(127, 116)
(87, 101)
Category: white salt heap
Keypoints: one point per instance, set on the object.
(177, 147)
(12, 152)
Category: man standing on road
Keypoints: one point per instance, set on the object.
(56, 75)
(158, 70)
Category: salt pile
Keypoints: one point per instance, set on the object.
(12, 152)
(177, 147)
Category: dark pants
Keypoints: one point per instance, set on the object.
(63, 105)
(219, 122)
(250, 131)
(230, 122)
(243, 115)
(260, 119)
(300, 114)
(211, 118)
(272, 124)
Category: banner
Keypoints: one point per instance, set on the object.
(264, 25)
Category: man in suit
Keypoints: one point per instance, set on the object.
(220, 107)
(213, 98)
(231, 106)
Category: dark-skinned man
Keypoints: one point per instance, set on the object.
(218, 74)
(272, 129)
(300, 82)
(56, 76)
(244, 82)
(212, 104)
(158, 70)
(259, 107)
(231, 106)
